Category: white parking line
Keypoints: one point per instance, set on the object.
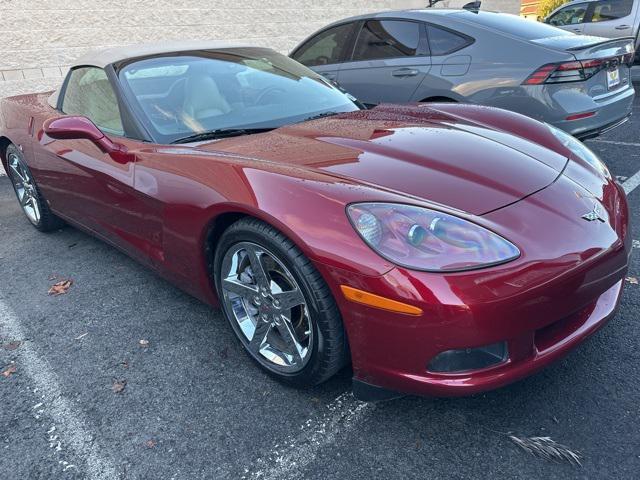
(614, 142)
(631, 183)
(286, 460)
(68, 426)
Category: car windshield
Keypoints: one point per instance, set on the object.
(192, 93)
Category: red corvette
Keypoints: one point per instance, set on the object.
(441, 249)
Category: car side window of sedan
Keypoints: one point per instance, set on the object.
(571, 15)
(325, 48)
(445, 42)
(89, 93)
(606, 10)
(380, 39)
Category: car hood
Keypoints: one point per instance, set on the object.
(417, 152)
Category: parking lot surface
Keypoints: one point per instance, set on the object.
(126, 377)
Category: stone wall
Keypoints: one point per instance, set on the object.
(40, 38)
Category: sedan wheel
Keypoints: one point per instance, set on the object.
(278, 305)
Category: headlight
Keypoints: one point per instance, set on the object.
(424, 239)
(580, 150)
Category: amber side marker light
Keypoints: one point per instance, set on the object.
(376, 301)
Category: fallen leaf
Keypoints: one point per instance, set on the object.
(124, 364)
(224, 353)
(632, 280)
(144, 343)
(12, 345)
(118, 386)
(8, 371)
(150, 443)
(61, 287)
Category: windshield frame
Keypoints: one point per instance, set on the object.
(156, 136)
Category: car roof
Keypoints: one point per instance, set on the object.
(446, 16)
(103, 57)
(407, 13)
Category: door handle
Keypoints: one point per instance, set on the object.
(623, 27)
(405, 72)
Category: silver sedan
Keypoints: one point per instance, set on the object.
(581, 84)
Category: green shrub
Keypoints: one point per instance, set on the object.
(545, 7)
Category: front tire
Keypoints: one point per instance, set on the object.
(29, 196)
(278, 305)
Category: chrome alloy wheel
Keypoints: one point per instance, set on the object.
(267, 308)
(24, 187)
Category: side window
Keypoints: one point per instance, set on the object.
(569, 15)
(387, 39)
(89, 93)
(606, 10)
(325, 48)
(445, 42)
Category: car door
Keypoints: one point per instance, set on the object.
(573, 17)
(389, 61)
(86, 185)
(613, 19)
(450, 63)
(325, 51)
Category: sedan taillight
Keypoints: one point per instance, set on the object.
(577, 71)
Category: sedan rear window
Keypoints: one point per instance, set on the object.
(512, 25)
(444, 42)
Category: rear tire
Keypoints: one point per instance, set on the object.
(300, 337)
(31, 200)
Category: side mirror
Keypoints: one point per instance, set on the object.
(77, 127)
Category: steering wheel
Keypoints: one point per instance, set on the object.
(268, 91)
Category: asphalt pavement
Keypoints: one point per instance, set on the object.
(83, 398)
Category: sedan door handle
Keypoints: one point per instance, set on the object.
(405, 72)
(623, 27)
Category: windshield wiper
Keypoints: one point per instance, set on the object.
(220, 133)
(322, 115)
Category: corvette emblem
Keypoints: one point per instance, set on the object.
(594, 214)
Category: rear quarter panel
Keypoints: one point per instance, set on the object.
(15, 122)
(499, 65)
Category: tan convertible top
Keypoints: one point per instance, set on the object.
(103, 57)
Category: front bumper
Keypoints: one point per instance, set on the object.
(542, 305)
(532, 351)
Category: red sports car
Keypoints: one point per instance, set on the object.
(442, 249)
